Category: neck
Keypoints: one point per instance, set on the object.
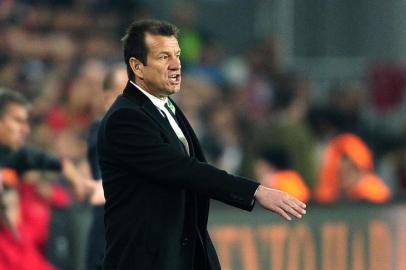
(146, 89)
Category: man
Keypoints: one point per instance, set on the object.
(156, 182)
(14, 129)
(113, 84)
(17, 158)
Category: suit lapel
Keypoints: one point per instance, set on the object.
(136, 96)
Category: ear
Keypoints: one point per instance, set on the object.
(137, 67)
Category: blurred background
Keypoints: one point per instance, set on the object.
(315, 88)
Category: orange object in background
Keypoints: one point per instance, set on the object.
(9, 177)
(273, 169)
(290, 182)
(367, 186)
(371, 188)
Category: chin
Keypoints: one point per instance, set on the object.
(16, 146)
(173, 91)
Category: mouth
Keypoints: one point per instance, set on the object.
(175, 78)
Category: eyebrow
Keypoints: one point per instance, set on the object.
(167, 52)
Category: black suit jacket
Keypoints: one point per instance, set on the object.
(157, 197)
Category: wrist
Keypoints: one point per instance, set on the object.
(257, 191)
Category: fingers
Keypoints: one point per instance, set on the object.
(296, 206)
(280, 202)
(292, 211)
(299, 203)
(285, 211)
(282, 213)
(291, 206)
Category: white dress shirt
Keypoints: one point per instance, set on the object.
(160, 105)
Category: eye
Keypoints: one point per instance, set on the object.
(163, 57)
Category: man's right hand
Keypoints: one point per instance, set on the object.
(280, 202)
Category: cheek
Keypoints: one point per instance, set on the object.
(7, 128)
(17, 130)
(155, 75)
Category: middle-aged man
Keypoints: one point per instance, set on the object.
(18, 246)
(156, 181)
(14, 130)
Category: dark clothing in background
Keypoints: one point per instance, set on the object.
(96, 238)
(96, 242)
(157, 197)
(92, 155)
(25, 159)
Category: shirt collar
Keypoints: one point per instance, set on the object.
(160, 103)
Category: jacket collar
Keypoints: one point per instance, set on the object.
(136, 96)
(132, 93)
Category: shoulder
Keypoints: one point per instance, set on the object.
(123, 109)
(125, 116)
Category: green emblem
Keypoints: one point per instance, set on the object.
(171, 106)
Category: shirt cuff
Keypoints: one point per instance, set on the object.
(253, 198)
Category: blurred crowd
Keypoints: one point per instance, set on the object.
(252, 115)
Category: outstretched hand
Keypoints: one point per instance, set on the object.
(280, 202)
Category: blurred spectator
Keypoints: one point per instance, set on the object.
(222, 140)
(18, 251)
(37, 196)
(14, 129)
(198, 106)
(113, 85)
(347, 101)
(190, 39)
(287, 126)
(347, 172)
(272, 168)
(209, 62)
(343, 112)
(84, 102)
(264, 75)
(214, 120)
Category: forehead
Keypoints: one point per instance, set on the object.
(15, 109)
(158, 43)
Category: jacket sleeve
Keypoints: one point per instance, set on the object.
(27, 159)
(135, 141)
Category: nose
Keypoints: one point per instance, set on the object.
(175, 63)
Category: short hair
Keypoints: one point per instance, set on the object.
(134, 40)
(110, 77)
(8, 97)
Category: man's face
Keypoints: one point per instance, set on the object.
(14, 126)
(161, 76)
